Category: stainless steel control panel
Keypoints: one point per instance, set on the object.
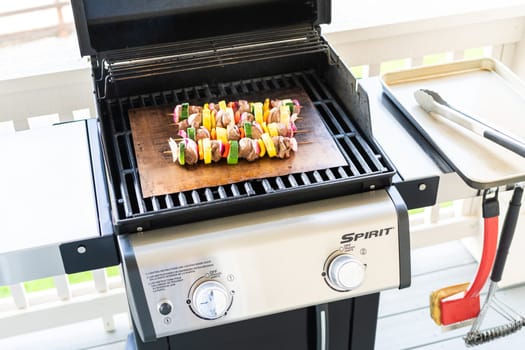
(219, 271)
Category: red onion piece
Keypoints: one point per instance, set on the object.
(176, 113)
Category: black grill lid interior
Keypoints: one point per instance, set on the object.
(104, 25)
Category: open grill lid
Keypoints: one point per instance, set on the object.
(105, 25)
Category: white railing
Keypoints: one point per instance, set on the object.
(48, 18)
(62, 305)
(67, 95)
(410, 31)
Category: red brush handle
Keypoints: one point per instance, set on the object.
(490, 242)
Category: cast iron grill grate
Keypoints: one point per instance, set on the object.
(366, 167)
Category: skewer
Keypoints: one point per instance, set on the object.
(299, 143)
(173, 124)
(171, 115)
(295, 132)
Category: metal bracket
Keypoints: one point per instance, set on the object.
(89, 254)
(419, 193)
(490, 206)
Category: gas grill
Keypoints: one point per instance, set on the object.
(294, 261)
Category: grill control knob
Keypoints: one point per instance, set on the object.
(345, 272)
(211, 300)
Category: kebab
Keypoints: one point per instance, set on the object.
(232, 132)
(222, 115)
(189, 152)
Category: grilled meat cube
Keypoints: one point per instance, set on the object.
(244, 106)
(275, 115)
(202, 133)
(191, 153)
(275, 103)
(257, 131)
(182, 125)
(246, 117)
(195, 120)
(284, 130)
(218, 119)
(216, 150)
(233, 132)
(224, 118)
(195, 110)
(248, 149)
(284, 146)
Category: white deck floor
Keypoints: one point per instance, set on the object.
(404, 321)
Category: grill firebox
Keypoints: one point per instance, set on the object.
(367, 168)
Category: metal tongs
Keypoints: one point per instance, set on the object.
(431, 101)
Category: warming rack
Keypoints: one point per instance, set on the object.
(191, 55)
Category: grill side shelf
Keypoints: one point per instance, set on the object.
(50, 200)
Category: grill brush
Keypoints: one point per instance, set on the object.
(453, 305)
(475, 336)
